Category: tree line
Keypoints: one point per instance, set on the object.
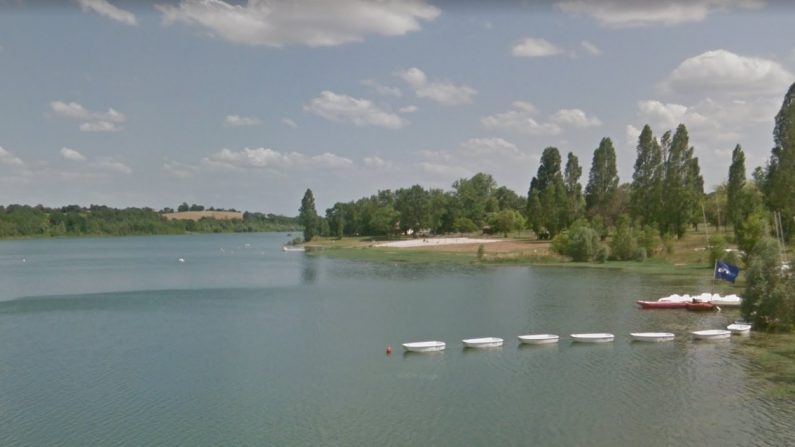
(19, 221)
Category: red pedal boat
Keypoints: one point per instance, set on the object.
(662, 304)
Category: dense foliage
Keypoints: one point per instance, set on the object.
(307, 216)
(20, 221)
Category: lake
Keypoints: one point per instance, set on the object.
(114, 341)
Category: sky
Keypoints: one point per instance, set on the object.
(246, 104)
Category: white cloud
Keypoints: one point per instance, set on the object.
(532, 47)
(106, 9)
(669, 115)
(266, 158)
(361, 112)
(7, 158)
(111, 165)
(95, 121)
(723, 73)
(380, 89)
(631, 135)
(408, 109)
(99, 126)
(495, 156)
(311, 22)
(289, 123)
(71, 154)
(443, 92)
(241, 121)
(575, 118)
(76, 111)
(627, 14)
(522, 119)
(591, 48)
(179, 170)
(376, 162)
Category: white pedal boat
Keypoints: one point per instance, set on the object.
(424, 346)
(538, 339)
(652, 336)
(486, 342)
(711, 334)
(593, 338)
(739, 328)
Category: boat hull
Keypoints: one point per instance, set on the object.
(652, 336)
(424, 346)
(593, 338)
(662, 304)
(488, 342)
(700, 307)
(712, 334)
(538, 339)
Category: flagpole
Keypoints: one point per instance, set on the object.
(714, 269)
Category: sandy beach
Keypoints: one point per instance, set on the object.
(428, 242)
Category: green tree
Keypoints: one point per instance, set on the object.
(477, 198)
(580, 242)
(575, 202)
(383, 221)
(546, 199)
(602, 182)
(307, 216)
(780, 183)
(506, 221)
(413, 204)
(623, 246)
(335, 216)
(646, 186)
(509, 200)
(769, 299)
(683, 184)
(734, 189)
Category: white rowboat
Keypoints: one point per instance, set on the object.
(538, 339)
(652, 336)
(487, 342)
(593, 338)
(739, 328)
(286, 248)
(424, 346)
(711, 334)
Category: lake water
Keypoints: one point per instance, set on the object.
(115, 342)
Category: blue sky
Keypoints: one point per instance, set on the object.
(246, 104)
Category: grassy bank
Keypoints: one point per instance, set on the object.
(684, 257)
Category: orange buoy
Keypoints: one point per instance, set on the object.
(388, 349)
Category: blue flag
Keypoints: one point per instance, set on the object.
(726, 272)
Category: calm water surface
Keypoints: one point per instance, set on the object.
(115, 342)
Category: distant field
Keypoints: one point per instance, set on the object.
(196, 215)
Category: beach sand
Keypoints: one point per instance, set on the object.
(429, 242)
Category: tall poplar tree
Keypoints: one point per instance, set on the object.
(574, 198)
(683, 185)
(546, 199)
(646, 188)
(734, 190)
(307, 216)
(602, 182)
(780, 184)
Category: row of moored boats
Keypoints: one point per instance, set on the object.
(705, 301)
(540, 339)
